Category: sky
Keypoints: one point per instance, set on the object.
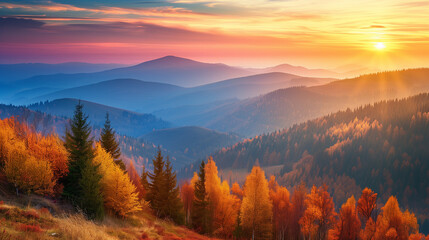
(382, 34)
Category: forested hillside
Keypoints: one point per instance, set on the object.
(382, 146)
(285, 107)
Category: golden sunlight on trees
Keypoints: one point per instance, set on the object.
(394, 224)
(319, 215)
(348, 226)
(279, 196)
(119, 193)
(31, 162)
(223, 206)
(367, 203)
(256, 208)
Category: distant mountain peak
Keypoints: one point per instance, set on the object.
(168, 61)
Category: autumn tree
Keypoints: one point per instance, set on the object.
(348, 226)
(297, 211)
(28, 172)
(237, 191)
(279, 196)
(136, 180)
(223, 207)
(187, 195)
(392, 223)
(119, 193)
(200, 218)
(109, 143)
(256, 208)
(319, 214)
(367, 203)
(144, 181)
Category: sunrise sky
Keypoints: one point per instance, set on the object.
(383, 34)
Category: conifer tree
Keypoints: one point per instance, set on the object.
(109, 143)
(82, 184)
(173, 206)
(200, 205)
(156, 184)
(79, 147)
(91, 197)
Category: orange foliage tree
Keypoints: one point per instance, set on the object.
(394, 224)
(223, 206)
(319, 214)
(281, 209)
(187, 195)
(29, 170)
(135, 179)
(256, 208)
(348, 226)
(367, 203)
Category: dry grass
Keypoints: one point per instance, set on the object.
(17, 222)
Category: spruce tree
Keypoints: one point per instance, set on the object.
(200, 205)
(109, 143)
(82, 184)
(91, 198)
(156, 184)
(173, 206)
(79, 146)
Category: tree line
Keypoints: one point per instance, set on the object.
(263, 209)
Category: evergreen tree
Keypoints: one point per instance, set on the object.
(109, 143)
(91, 197)
(156, 184)
(200, 205)
(173, 206)
(82, 184)
(79, 147)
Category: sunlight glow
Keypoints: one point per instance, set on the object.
(380, 46)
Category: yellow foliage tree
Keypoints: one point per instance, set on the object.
(119, 192)
(256, 207)
(319, 215)
(25, 171)
(223, 206)
(394, 224)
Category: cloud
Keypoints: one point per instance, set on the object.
(8, 22)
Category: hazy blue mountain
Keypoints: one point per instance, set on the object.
(191, 141)
(169, 69)
(129, 94)
(303, 71)
(285, 107)
(123, 121)
(244, 87)
(13, 72)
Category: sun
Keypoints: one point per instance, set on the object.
(380, 46)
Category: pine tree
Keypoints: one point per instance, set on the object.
(200, 205)
(91, 197)
(82, 184)
(109, 143)
(79, 147)
(173, 206)
(156, 184)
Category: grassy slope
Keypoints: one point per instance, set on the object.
(19, 222)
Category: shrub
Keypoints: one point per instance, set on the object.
(29, 228)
